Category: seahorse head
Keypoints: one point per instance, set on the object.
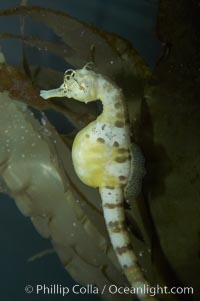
(80, 84)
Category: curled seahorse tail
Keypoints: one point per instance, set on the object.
(113, 209)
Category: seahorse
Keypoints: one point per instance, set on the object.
(102, 158)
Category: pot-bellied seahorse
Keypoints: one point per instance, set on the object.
(102, 158)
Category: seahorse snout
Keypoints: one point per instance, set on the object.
(59, 92)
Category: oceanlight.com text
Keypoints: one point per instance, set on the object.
(58, 289)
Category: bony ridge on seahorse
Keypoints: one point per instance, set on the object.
(102, 158)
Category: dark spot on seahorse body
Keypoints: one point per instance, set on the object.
(122, 178)
(122, 150)
(134, 270)
(116, 144)
(101, 140)
(121, 159)
(110, 187)
(103, 127)
(87, 136)
(116, 226)
(122, 250)
(119, 124)
(113, 206)
(117, 105)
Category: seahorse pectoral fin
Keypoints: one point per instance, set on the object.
(59, 92)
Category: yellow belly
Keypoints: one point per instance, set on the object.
(91, 160)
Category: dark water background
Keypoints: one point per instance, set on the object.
(133, 20)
